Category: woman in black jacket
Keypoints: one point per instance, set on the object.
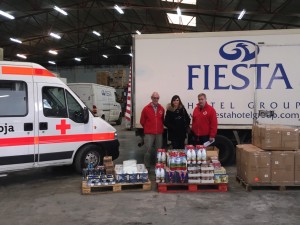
(177, 121)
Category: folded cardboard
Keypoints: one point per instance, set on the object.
(275, 137)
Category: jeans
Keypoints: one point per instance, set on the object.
(150, 141)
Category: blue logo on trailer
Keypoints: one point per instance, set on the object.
(238, 49)
(241, 51)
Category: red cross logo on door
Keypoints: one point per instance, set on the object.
(63, 126)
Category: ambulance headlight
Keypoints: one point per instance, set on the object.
(116, 135)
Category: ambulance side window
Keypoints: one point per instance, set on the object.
(54, 103)
(13, 98)
(75, 110)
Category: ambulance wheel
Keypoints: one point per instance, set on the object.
(226, 149)
(87, 154)
(119, 121)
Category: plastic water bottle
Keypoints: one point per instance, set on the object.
(193, 156)
(203, 155)
(163, 156)
(159, 156)
(158, 174)
(188, 156)
(162, 175)
(199, 155)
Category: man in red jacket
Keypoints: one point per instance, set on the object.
(152, 119)
(205, 123)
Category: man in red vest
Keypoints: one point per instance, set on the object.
(205, 123)
(152, 119)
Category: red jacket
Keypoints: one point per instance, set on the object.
(153, 122)
(205, 121)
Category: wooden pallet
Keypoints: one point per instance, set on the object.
(176, 188)
(86, 189)
(259, 186)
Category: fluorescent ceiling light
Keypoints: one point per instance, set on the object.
(138, 32)
(192, 2)
(52, 62)
(7, 15)
(60, 10)
(178, 11)
(130, 54)
(181, 20)
(55, 35)
(119, 9)
(53, 52)
(118, 47)
(15, 40)
(242, 13)
(78, 59)
(105, 56)
(96, 33)
(22, 56)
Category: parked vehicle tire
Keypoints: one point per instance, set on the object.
(88, 154)
(226, 149)
(119, 121)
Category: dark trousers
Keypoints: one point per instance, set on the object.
(198, 140)
(177, 144)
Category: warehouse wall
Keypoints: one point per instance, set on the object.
(1, 54)
(85, 73)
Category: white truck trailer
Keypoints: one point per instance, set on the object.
(248, 76)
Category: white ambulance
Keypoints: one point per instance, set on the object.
(43, 123)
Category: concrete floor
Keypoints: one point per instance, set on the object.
(52, 196)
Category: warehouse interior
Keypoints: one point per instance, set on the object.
(35, 20)
(92, 41)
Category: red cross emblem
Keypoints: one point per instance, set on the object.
(63, 126)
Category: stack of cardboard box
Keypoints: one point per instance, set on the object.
(108, 164)
(119, 78)
(103, 78)
(253, 164)
(272, 158)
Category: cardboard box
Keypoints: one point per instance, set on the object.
(290, 139)
(255, 164)
(275, 137)
(238, 152)
(282, 177)
(258, 176)
(297, 167)
(283, 167)
(103, 78)
(299, 139)
(283, 160)
(267, 137)
(212, 151)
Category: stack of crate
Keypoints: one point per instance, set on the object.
(108, 164)
(103, 78)
(119, 79)
(272, 158)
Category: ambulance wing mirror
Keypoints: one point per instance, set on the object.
(85, 115)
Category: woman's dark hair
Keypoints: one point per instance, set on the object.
(174, 98)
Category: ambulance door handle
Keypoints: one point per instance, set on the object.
(28, 126)
(43, 126)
